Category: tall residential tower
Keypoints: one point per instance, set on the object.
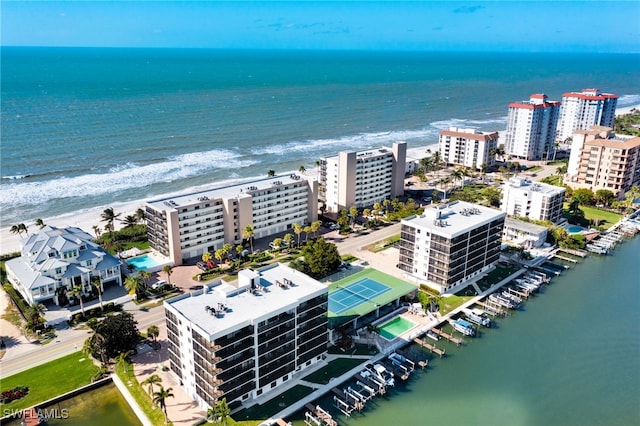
(581, 110)
(531, 127)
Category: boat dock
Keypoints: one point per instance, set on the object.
(447, 336)
(566, 259)
(432, 348)
(421, 364)
(492, 308)
(317, 416)
(518, 293)
(579, 253)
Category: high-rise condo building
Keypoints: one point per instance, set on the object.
(531, 128)
(362, 178)
(540, 201)
(242, 342)
(468, 147)
(581, 110)
(186, 226)
(600, 159)
(450, 244)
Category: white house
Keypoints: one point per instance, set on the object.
(55, 260)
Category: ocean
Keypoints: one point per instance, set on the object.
(90, 127)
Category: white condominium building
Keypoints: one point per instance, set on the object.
(450, 244)
(468, 147)
(581, 110)
(535, 200)
(362, 178)
(242, 342)
(531, 128)
(600, 159)
(186, 226)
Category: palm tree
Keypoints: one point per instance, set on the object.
(97, 231)
(168, 269)
(145, 276)
(315, 227)
(95, 281)
(239, 250)
(297, 229)
(109, 216)
(248, 233)
(35, 312)
(15, 229)
(445, 183)
(40, 223)
(139, 214)
(152, 380)
(153, 331)
(23, 227)
(206, 257)
(307, 231)
(288, 238)
(437, 159)
(302, 169)
(271, 173)
(160, 399)
(77, 291)
(130, 221)
(134, 285)
(222, 410)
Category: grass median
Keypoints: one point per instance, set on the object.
(49, 380)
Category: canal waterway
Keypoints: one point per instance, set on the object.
(569, 356)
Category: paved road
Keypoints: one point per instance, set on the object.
(67, 342)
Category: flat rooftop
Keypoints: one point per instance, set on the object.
(244, 307)
(369, 153)
(225, 192)
(454, 218)
(528, 185)
(524, 226)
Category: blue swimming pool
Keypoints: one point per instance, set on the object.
(144, 262)
(575, 229)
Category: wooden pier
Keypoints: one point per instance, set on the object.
(579, 253)
(319, 416)
(568, 259)
(447, 336)
(492, 308)
(518, 293)
(432, 348)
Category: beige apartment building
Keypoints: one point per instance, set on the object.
(186, 226)
(468, 147)
(600, 159)
(362, 178)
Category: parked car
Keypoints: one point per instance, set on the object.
(202, 266)
(159, 284)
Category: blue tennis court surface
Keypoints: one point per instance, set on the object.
(357, 293)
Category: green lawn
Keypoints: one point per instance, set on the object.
(260, 412)
(51, 379)
(335, 368)
(449, 303)
(607, 218)
(140, 394)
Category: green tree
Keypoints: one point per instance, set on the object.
(583, 196)
(271, 173)
(129, 221)
(134, 285)
(492, 195)
(168, 270)
(34, 314)
(151, 381)
(78, 292)
(222, 411)
(119, 333)
(297, 229)
(248, 233)
(604, 196)
(219, 254)
(277, 243)
(40, 223)
(288, 238)
(109, 216)
(97, 231)
(302, 169)
(160, 399)
(153, 331)
(315, 227)
(97, 284)
(139, 215)
(239, 250)
(207, 257)
(321, 257)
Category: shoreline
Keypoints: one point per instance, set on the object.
(85, 219)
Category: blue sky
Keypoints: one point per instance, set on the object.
(591, 26)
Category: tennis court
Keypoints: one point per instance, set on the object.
(349, 296)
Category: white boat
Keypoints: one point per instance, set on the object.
(463, 327)
(380, 373)
(478, 319)
(433, 336)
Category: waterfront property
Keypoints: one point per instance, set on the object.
(581, 110)
(187, 226)
(524, 234)
(54, 261)
(601, 159)
(241, 343)
(363, 298)
(535, 200)
(468, 147)
(450, 244)
(531, 127)
(362, 178)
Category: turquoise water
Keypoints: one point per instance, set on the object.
(143, 262)
(569, 356)
(394, 328)
(89, 127)
(574, 229)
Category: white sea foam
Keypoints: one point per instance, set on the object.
(494, 123)
(628, 100)
(120, 178)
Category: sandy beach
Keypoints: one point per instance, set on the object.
(86, 219)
